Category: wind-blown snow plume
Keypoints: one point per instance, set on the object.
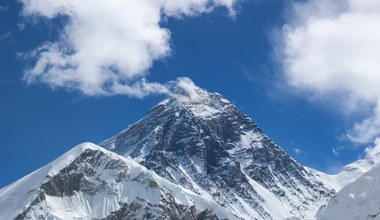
(107, 47)
(331, 50)
(374, 150)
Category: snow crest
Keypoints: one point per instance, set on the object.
(89, 182)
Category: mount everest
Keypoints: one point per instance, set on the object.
(193, 156)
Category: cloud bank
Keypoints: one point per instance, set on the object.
(330, 50)
(107, 47)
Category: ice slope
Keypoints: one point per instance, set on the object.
(358, 200)
(202, 142)
(89, 182)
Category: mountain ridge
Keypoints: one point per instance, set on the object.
(197, 155)
(90, 182)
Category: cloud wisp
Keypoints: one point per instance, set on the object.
(6, 36)
(3, 8)
(107, 47)
(330, 50)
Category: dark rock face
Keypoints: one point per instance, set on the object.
(170, 210)
(72, 179)
(210, 145)
(24, 215)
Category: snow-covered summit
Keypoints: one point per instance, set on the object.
(184, 94)
(38, 177)
(184, 90)
(202, 142)
(89, 182)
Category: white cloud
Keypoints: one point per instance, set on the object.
(297, 151)
(6, 35)
(331, 51)
(335, 151)
(21, 26)
(107, 47)
(373, 150)
(300, 154)
(186, 91)
(3, 8)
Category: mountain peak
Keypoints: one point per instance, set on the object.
(202, 142)
(185, 96)
(185, 91)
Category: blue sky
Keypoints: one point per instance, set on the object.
(264, 56)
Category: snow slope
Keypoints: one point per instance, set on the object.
(358, 200)
(89, 182)
(359, 189)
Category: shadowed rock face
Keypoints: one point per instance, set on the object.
(210, 144)
(72, 178)
(170, 211)
(24, 215)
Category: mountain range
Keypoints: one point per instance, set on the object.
(193, 156)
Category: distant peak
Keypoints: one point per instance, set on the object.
(185, 91)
